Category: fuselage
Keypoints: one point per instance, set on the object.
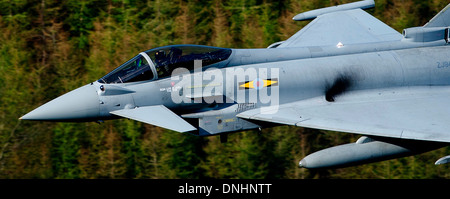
(297, 79)
(243, 79)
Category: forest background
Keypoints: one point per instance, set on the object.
(49, 47)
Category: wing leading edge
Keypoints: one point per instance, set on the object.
(418, 113)
(158, 116)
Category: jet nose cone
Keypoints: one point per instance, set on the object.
(79, 104)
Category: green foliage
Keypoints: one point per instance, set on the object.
(131, 150)
(183, 156)
(65, 151)
(50, 47)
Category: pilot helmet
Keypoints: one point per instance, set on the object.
(160, 54)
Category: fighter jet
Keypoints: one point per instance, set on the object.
(345, 71)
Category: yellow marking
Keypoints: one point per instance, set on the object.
(251, 84)
(205, 85)
(230, 120)
(247, 85)
(269, 82)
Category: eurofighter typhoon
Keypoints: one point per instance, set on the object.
(345, 71)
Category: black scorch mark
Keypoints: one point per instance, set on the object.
(341, 84)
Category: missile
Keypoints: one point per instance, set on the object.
(349, 6)
(366, 150)
(443, 160)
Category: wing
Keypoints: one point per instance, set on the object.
(347, 27)
(158, 116)
(442, 19)
(419, 113)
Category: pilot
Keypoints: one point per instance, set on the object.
(162, 62)
(160, 57)
(175, 55)
(174, 59)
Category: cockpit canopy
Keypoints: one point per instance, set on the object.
(159, 63)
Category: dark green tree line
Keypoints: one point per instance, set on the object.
(50, 47)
